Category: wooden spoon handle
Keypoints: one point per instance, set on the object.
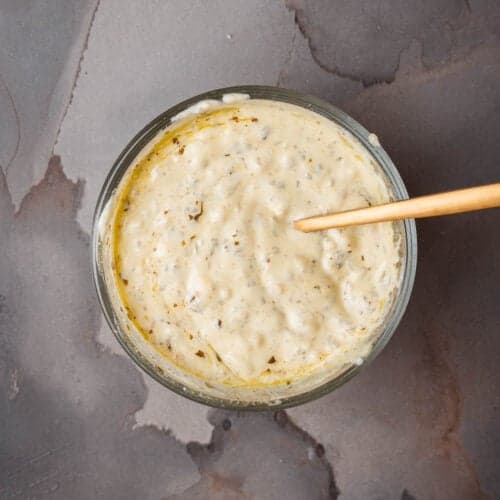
(451, 202)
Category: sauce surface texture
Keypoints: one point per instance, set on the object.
(206, 260)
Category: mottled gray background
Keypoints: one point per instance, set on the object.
(78, 78)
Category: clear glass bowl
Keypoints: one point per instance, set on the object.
(278, 400)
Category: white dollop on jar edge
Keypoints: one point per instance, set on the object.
(206, 104)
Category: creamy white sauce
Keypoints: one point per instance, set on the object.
(235, 97)
(199, 107)
(207, 104)
(374, 141)
(208, 263)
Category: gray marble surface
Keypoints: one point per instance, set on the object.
(78, 78)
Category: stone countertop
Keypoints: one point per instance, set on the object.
(77, 80)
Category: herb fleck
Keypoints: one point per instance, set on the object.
(197, 215)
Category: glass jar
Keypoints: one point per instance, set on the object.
(255, 398)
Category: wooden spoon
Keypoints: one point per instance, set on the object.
(451, 202)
